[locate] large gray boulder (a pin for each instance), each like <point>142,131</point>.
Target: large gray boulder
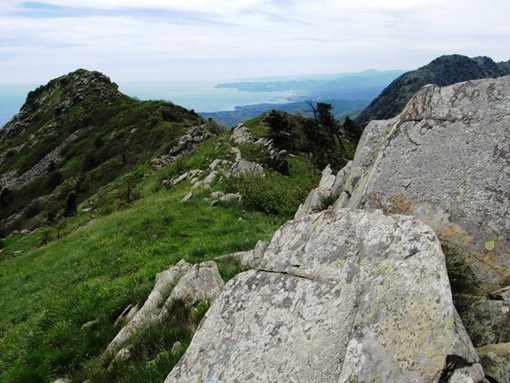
<point>446,160</point>
<point>339,296</point>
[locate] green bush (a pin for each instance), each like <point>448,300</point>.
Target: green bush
<point>269,195</point>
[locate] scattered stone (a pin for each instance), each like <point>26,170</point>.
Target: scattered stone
<point>328,187</point>
<point>151,309</point>
<point>237,154</point>
<point>189,141</point>
<point>216,195</point>
<point>182,282</point>
<point>246,167</point>
<point>194,136</point>
<point>187,197</point>
<point>89,324</point>
<point>176,348</point>
<point>179,179</point>
<point>62,380</point>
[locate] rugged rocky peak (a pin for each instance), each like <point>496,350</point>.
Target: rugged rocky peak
<point>59,95</point>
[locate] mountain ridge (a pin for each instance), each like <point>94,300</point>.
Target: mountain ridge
<point>444,70</point>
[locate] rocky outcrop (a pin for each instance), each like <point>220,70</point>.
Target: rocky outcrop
<point>276,158</point>
<point>76,85</point>
<point>340,296</point>
<point>12,181</point>
<point>189,141</point>
<point>445,160</point>
<point>351,295</point>
<point>182,282</point>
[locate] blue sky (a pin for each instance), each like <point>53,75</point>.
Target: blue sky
<point>218,40</point>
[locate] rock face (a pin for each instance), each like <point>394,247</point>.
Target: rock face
<point>340,296</point>
<point>446,160</point>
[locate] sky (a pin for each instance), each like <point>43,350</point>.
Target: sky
<point>218,40</point>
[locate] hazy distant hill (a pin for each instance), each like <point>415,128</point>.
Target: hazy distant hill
<point>444,70</point>
<point>231,118</point>
<point>347,86</point>
<point>347,92</point>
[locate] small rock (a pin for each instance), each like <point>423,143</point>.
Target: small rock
<point>187,197</point>
<point>231,197</point>
<point>89,324</point>
<point>62,380</point>
<point>123,355</point>
<point>176,347</point>
<point>217,195</point>
<point>179,179</point>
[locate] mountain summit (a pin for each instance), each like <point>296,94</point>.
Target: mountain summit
<point>76,134</point>
<point>444,70</point>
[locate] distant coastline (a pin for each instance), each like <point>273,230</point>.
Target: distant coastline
<point>200,96</point>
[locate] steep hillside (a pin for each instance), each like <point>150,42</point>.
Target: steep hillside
<point>74,135</point>
<point>444,70</point>
<point>113,191</point>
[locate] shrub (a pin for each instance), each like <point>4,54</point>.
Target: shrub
<point>271,196</point>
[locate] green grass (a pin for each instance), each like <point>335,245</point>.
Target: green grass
<point>107,259</point>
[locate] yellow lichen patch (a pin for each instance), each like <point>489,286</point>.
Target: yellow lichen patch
<point>384,268</point>
<point>399,205</point>
<point>449,323</point>
<point>339,262</point>
<point>490,245</point>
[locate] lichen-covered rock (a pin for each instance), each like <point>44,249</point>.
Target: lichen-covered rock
<point>340,296</point>
<point>496,361</point>
<point>445,160</point>
<point>487,321</point>
<point>246,167</point>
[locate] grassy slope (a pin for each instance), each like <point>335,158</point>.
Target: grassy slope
<point>105,262</point>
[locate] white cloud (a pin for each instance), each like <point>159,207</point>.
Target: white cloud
<point>241,38</point>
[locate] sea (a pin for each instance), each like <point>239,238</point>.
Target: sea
<point>199,96</point>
